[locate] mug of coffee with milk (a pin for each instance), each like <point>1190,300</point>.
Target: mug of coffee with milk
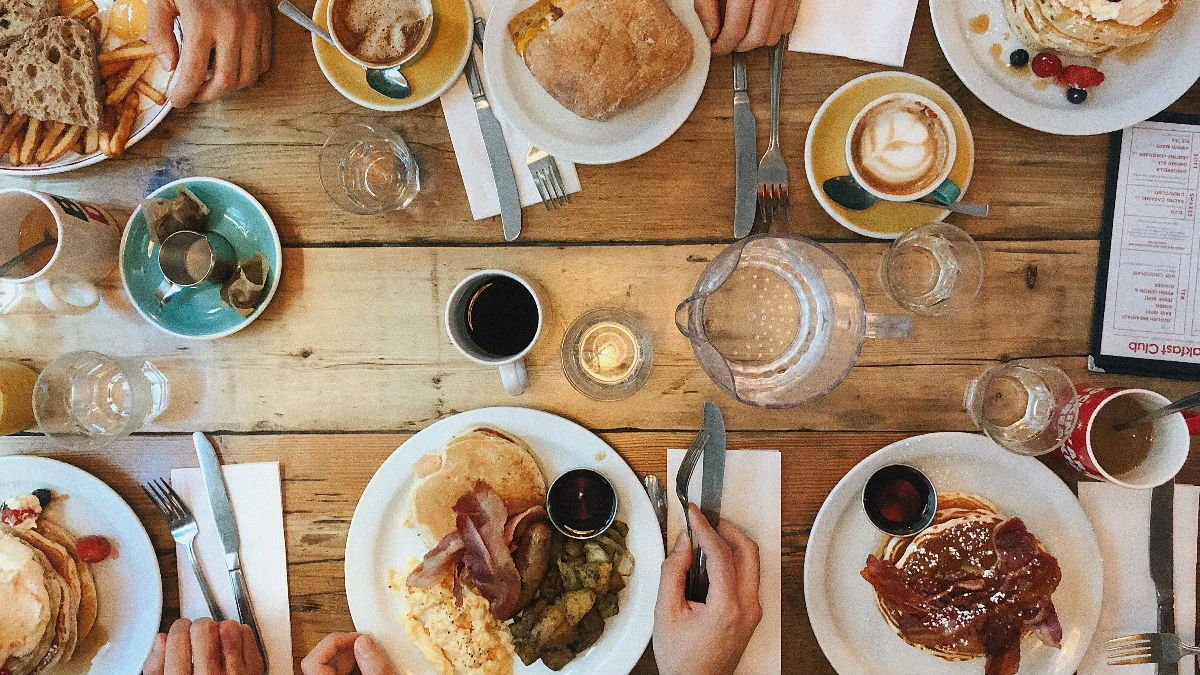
<point>901,147</point>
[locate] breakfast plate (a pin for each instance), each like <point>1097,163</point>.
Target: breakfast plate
<point>842,605</point>
<point>200,313</point>
<point>127,28</point>
<point>825,152</point>
<point>430,75</point>
<point>128,586</point>
<point>521,101</point>
<point>379,542</point>
<point>1139,83</point>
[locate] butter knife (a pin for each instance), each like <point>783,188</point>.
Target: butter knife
<point>222,509</point>
<point>1162,561</point>
<point>711,489</point>
<point>745,150</point>
<point>497,151</point>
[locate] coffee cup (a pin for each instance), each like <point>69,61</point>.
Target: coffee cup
<point>74,244</point>
<point>365,31</point>
<point>1139,458</point>
<point>901,147</point>
<point>494,318</point>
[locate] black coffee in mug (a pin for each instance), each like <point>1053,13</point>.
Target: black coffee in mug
<point>501,317</point>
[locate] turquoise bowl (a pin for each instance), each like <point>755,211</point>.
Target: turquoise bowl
<point>199,313</point>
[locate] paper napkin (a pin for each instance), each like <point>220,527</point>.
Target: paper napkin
<point>751,500</point>
<point>1121,519</point>
<point>459,109</point>
<point>257,500</point>
<point>867,30</point>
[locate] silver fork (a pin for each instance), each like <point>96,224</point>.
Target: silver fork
<point>773,198</point>
<point>1148,648</point>
<point>683,478</point>
<point>547,178</point>
<point>183,531</point>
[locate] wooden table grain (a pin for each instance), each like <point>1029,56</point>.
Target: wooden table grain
<point>350,358</point>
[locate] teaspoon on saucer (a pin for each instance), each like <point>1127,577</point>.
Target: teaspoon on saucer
<point>847,193</point>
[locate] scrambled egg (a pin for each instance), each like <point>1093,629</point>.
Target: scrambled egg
<point>465,640</point>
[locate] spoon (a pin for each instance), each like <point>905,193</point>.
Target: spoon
<point>847,193</point>
<point>1185,403</point>
<point>48,241</point>
<point>387,81</point>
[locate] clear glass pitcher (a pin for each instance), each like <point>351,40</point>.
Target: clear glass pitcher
<point>778,320</point>
<point>1029,407</point>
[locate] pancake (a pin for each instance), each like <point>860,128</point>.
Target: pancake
<point>1053,25</point>
<point>48,647</point>
<point>88,602</point>
<point>25,602</point>
<point>478,454</point>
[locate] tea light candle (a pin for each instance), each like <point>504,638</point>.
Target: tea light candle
<point>608,352</point>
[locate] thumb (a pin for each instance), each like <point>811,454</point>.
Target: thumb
<point>707,11</point>
<point>371,658</point>
<point>674,574</point>
<point>160,32</point>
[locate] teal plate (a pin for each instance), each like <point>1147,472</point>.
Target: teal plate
<point>199,313</point>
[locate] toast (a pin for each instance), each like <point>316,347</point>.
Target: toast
<point>50,73</point>
<point>16,16</point>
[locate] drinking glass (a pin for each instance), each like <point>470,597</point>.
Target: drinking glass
<point>367,169</point>
<point>932,270</point>
<point>607,355</point>
<point>88,400</point>
<point>1027,406</point>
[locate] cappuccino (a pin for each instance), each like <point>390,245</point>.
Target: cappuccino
<point>377,32</point>
<point>901,147</point>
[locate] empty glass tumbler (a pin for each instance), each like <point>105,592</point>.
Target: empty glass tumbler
<point>367,169</point>
<point>932,270</point>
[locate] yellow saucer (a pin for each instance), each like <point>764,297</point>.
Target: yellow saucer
<point>825,151</point>
<point>430,75</point>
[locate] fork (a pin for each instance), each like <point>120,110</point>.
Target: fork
<point>683,478</point>
<point>773,199</point>
<point>547,178</point>
<point>1148,648</point>
<point>183,530</point>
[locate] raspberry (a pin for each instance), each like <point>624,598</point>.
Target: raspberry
<point>93,549</point>
<point>1047,65</point>
<point>1081,77</point>
<point>14,517</point>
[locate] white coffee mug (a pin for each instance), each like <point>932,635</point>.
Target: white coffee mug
<point>512,368</point>
<point>88,238</point>
<point>941,189</point>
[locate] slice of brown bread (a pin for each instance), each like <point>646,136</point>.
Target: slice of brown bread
<point>16,16</point>
<point>50,73</point>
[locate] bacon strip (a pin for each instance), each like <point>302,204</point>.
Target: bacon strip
<point>515,521</point>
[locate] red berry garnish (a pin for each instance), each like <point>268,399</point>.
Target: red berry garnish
<point>93,549</point>
<point>1046,64</point>
<point>14,517</point>
<point>1081,77</point>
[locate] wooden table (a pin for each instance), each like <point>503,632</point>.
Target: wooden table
<point>350,358</point>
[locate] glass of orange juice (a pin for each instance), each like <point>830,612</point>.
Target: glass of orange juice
<point>16,397</point>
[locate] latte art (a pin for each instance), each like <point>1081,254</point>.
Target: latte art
<point>900,146</point>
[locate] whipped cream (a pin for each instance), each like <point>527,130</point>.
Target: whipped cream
<point>24,601</point>
<point>1126,12</point>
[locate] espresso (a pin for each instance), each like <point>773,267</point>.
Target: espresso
<point>501,317</point>
<point>378,31</point>
<point>901,146</point>
<point>1120,451</point>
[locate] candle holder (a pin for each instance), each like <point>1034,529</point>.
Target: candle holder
<point>607,354</point>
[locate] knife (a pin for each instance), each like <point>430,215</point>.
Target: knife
<point>1162,561</point>
<point>497,151</point>
<point>745,149</point>
<point>710,490</point>
<point>222,509</point>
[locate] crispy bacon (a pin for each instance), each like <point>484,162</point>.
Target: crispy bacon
<point>443,559</point>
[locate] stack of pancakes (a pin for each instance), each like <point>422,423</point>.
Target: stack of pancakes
<point>1071,27</point>
<point>47,598</point>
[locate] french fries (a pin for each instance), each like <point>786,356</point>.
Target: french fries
<point>91,142</point>
<point>84,11</point>
<point>12,131</point>
<point>53,130</point>
<point>144,88</point>
<point>120,136</point>
<point>107,70</point>
<point>136,49</point>
<point>132,76</point>
<point>29,145</point>
<point>69,140</point>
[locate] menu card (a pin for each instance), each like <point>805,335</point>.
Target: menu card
<point>1147,318</point>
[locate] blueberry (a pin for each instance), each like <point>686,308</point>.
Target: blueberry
<point>1076,96</point>
<point>1018,58</point>
<point>43,496</point>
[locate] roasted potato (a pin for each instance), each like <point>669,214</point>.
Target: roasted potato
<point>590,628</point>
<point>606,605</point>
<point>594,576</point>
<point>578,603</point>
<point>557,658</point>
<point>554,628</point>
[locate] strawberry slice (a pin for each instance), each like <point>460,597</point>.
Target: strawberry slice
<point>93,549</point>
<point>1081,77</point>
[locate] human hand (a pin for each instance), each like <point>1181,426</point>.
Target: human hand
<point>748,23</point>
<point>338,653</point>
<point>707,638</point>
<point>235,34</point>
<point>204,647</point>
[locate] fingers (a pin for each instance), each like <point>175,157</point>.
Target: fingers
<point>333,655</point>
<point>250,654</point>
<point>266,43</point>
<point>206,648</point>
<point>709,17</point>
<point>371,658</point>
<point>226,71</point>
<point>746,560</point>
<point>178,659</point>
<point>737,19</point>
<point>673,576</point>
<point>761,22</point>
<point>160,32</point>
<point>156,661</point>
<point>722,576</point>
<point>231,648</point>
<point>193,66</point>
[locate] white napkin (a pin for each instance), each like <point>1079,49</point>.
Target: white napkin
<point>867,30</point>
<point>1121,519</point>
<point>751,500</point>
<point>467,139</point>
<point>258,506</point>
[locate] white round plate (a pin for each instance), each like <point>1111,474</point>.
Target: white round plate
<point>129,587</point>
<point>523,103</point>
<point>149,117</point>
<point>377,541</point>
<point>1131,93</point>
<point>841,604</point>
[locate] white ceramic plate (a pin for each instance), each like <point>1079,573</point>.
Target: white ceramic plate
<point>149,117</point>
<point>841,604</point>
<point>523,103</point>
<point>377,541</point>
<point>1131,93</point>
<point>129,588</point>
